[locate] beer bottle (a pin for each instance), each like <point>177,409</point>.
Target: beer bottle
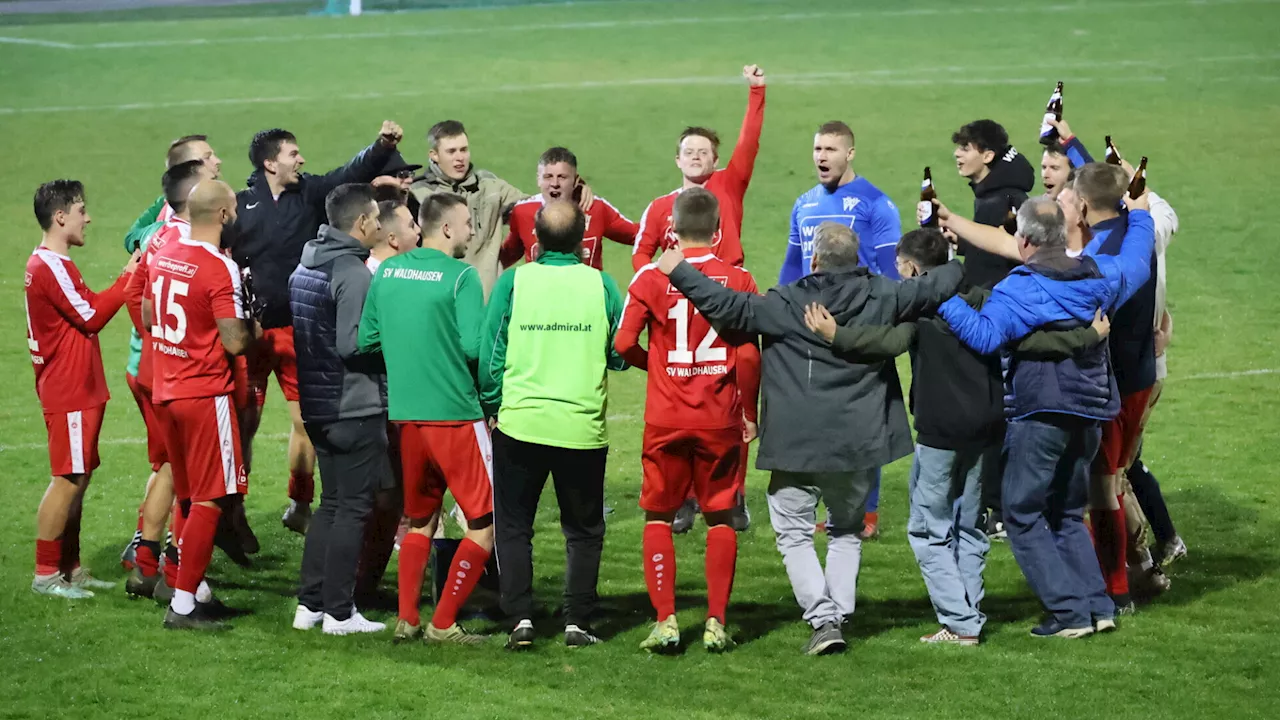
<point>1138,184</point>
<point>1113,155</point>
<point>1052,111</point>
<point>927,196</point>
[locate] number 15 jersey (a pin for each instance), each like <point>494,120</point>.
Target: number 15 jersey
<point>191,286</point>
<point>696,377</point>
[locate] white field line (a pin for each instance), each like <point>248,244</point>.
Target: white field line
<point>1061,9</point>
<point>1227,375</point>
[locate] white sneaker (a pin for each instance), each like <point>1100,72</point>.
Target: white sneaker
<point>55,586</point>
<point>80,578</point>
<point>304,619</point>
<point>352,625</point>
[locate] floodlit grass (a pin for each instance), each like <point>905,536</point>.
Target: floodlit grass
<point>1191,85</point>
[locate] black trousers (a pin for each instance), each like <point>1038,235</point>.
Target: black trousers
<point>352,455</point>
<point>520,471</point>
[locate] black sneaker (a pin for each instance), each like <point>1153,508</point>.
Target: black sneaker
<point>226,540</point>
<point>522,637</point>
<point>139,585</point>
<point>577,636</point>
<point>197,620</point>
<point>161,592</point>
<point>214,609</point>
<point>1050,627</point>
<point>685,516</point>
<point>826,640</point>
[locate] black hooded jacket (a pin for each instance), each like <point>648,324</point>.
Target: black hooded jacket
<point>1004,188</point>
<point>269,232</point>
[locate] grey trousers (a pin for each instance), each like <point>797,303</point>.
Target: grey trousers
<point>830,595</point>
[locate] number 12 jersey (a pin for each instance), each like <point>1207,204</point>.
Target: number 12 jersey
<point>191,286</point>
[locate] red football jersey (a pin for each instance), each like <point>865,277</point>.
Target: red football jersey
<point>63,320</point>
<point>174,229</point>
<point>696,377</point>
<point>192,286</point>
<point>603,221</point>
<point>729,185</point>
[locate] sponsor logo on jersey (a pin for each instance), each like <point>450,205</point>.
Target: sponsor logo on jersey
<point>26,281</point>
<point>401,273</point>
<point>177,267</point>
<point>849,203</point>
<point>723,280</point>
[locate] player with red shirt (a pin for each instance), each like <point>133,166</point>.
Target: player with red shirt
<point>696,156</point>
<point>700,411</point>
<point>557,180</point>
<point>195,309</point>
<point>63,320</point>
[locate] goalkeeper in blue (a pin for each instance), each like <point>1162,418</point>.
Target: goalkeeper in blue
<point>843,196</point>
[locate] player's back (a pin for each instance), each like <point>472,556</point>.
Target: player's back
<point>429,308</point>
<point>693,379</point>
<point>173,230</point>
<point>191,286</point>
<point>67,360</point>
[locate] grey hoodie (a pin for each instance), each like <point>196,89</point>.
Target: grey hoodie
<point>326,294</point>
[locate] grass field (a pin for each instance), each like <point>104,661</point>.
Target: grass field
<point>1193,85</point>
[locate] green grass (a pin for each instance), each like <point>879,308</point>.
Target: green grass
<point>1192,85</point>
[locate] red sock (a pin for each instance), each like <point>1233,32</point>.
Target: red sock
<point>464,572</point>
<point>48,556</point>
<point>196,546</point>
<point>415,549</point>
<point>722,560</point>
<point>147,559</point>
<point>660,568</point>
<point>1109,545</point>
<point>70,544</point>
<point>302,487</point>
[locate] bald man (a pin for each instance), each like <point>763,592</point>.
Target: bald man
<point>198,319</point>
<point>549,334</point>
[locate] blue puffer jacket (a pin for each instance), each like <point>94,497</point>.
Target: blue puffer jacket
<point>1061,292</point>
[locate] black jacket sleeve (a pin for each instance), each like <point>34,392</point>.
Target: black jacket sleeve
<point>873,343</point>
<point>925,293</point>
<point>362,168</point>
<point>726,309</point>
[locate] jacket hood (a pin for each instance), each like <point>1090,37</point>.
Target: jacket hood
<point>330,245</point>
<point>836,290</point>
<point>1010,170</point>
<point>255,177</point>
<point>435,176</point>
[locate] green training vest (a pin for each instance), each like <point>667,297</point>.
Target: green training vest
<point>555,384</point>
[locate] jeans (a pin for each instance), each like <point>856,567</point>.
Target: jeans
<point>946,532</point>
<point>352,455</point>
<point>520,472</point>
<point>830,595</point>
<point>1046,485</point>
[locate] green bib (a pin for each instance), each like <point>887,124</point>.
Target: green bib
<point>555,384</point>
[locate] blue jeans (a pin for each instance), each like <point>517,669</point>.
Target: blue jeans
<point>945,532</point>
<point>1046,481</point>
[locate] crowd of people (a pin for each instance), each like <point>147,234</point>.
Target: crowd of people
<point>440,330</point>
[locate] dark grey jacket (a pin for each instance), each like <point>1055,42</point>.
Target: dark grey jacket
<point>820,411</point>
<point>326,296</point>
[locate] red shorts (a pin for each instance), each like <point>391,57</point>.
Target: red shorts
<point>457,456</point>
<point>204,435</point>
<point>273,353</point>
<point>73,440</point>
<point>156,454</point>
<point>707,462</point>
<point>1121,434</point>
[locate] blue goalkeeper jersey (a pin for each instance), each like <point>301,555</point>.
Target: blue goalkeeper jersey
<point>857,204</point>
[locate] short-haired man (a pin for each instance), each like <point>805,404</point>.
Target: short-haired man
<point>341,397</point>
<point>957,403</point>
<point>700,411</point>
<point>557,178</point>
<point>843,196</point>
<point>279,213</point>
<point>548,342</point>
<point>398,233</point>
<point>697,153</point>
<point>1054,407</point>
<point>64,318</point>
<point>424,314</point>
<point>810,391</point>
<point>178,181</point>
<point>195,308</point>
<point>1001,178</point>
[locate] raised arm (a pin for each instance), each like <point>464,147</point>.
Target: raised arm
<point>742,162</point>
<point>363,168</point>
<point>618,227</point>
<point>1134,260</point>
<point>1001,320</point>
<point>984,237</point>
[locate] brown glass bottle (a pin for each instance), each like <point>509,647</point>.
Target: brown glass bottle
<point>1113,155</point>
<point>1138,184</point>
<point>927,196</point>
<point>1052,111</point>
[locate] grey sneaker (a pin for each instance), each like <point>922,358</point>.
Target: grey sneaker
<point>685,516</point>
<point>826,640</point>
<point>297,518</point>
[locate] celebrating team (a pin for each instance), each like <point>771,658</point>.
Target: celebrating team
<point>364,290</point>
